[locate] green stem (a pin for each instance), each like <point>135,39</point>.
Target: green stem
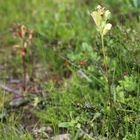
<point>105,58</point>
<point>106,76</point>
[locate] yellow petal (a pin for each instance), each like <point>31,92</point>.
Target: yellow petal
<point>97,18</point>
<point>107,14</point>
<point>107,27</point>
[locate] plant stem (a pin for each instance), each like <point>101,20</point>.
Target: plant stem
<point>105,58</point>
<point>24,69</point>
<point>107,81</point>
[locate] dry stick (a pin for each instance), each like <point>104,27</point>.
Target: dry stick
<point>24,68</point>
<point>4,87</point>
<point>32,64</point>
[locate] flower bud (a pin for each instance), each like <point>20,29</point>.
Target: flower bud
<point>107,14</point>
<point>107,27</point>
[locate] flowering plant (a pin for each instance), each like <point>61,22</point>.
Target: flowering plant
<point>25,36</point>
<point>100,17</point>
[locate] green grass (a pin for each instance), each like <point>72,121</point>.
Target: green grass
<point>65,38</point>
<point>8,132</point>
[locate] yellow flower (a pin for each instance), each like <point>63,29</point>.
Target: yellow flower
<point>100,17</point>
<point>107,14</point>
<point>96,17</point>
<point>107,27</point>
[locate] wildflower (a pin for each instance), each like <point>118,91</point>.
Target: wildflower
<point>107,28</point>
<point>100,17</point>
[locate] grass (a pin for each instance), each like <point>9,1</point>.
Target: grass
<point>11,132</point>
<point>68,92</point>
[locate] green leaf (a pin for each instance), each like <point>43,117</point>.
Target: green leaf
<point>66,124</point>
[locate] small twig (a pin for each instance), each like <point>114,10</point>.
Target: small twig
<point>24,69</point>
<point>7,89</point>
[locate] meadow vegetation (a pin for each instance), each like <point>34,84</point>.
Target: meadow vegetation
<point>70,67</point>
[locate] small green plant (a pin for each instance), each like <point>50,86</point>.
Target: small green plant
<point>128,83</point>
